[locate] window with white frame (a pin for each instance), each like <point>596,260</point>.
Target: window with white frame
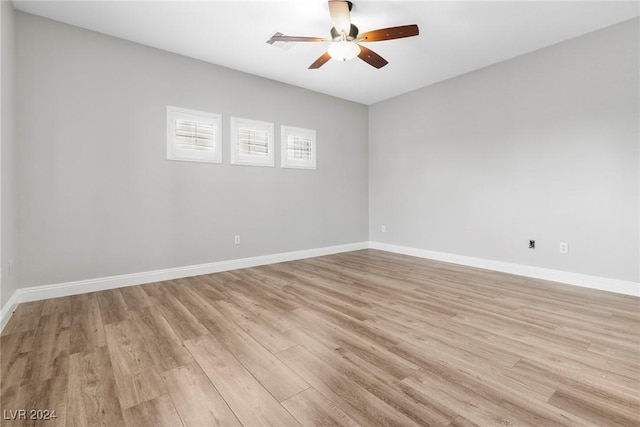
<point>194,136</point>
<point>298,148</point>
<point>251,142</point>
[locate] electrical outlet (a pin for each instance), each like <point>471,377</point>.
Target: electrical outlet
<point>564,247</point>
<point>236,239</point>
<point>532,244</point>
<point>383,228</point>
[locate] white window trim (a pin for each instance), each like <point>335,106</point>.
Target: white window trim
<point>175,153</point>
<point>285,161</point>
<point>238,158</point>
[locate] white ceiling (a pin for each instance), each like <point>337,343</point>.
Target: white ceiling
<point>455,37</point>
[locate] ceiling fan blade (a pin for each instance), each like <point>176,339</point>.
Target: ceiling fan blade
<point>295,39</point>
<point>372,58</point>
<point>320,61</point>
<point>339,11</point>
<point>389,33</point>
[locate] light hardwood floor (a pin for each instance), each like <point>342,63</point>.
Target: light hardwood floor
<point>366,337</point>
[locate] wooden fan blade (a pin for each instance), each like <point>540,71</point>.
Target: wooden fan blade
<point>372,58</point>
<point>339,11</point>
<point>320,61</point>
<point>295,39</point>
<point>390,33</point>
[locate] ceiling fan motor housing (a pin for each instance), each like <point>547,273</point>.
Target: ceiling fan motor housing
<point>353,34</point>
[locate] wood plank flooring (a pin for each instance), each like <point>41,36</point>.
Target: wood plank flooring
<point>363,338</point>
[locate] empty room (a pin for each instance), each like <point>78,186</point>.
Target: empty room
<point>320,213</point>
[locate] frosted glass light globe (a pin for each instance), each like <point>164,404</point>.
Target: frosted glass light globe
<point>344,50</point>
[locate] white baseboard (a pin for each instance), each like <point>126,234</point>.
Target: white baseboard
<point>36,293</point>
<point>7,310</point>
<point>583,280</point>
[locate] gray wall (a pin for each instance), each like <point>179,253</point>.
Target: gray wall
<point>98,197</point>
<point>8,282</point>
<point>544,146</point>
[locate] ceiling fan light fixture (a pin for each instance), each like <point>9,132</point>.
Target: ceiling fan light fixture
<point>344,50</point>
<point>347,38</point>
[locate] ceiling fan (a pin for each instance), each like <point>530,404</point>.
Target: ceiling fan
<point>345,38</point>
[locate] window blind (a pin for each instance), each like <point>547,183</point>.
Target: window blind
<point>253,142</point>
<point>193,135</point>
<point>298,147</point>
